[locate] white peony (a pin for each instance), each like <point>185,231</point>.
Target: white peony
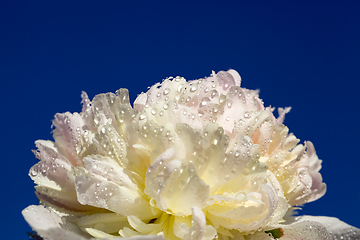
<point>199,160</point>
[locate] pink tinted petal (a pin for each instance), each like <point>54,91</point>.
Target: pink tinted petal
<point>67,134</point>
<point>52,170</point>
<point>224,81</point>
<point>86,103</point>
<point>140,102</point>
<point>311,186</point>
<point>282,113</point>
<point>61,200</point>
<point>236,76</point>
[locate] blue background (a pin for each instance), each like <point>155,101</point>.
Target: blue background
<point>303,54</point>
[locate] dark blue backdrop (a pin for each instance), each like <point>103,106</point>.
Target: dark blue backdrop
<point>303,54</point>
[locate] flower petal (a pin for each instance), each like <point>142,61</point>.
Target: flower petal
<point>313,228</point>
<point>49,225</point>
<point>67,135</point>
<point>175,186</point>
<point>196,229</point>
<point>116,193</point>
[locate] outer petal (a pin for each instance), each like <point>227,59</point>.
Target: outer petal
<point>67,134</point>
<point>49,225</point>
<point>322,228</point>
<point>310,187</point>
<point>52,169</point>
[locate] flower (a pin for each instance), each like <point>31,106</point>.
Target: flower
<point>198,160</point>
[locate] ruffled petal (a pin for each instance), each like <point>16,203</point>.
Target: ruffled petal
<point>67,135</point>
<point>49,225</point>
<point>310,186</point>
<point>198,230</point>
<point>116,192</point>
<point>175,186</point>
<point>321,228</point>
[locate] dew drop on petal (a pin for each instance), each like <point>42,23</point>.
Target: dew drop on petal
<point>240,196</point>
<point>214,93</point>
<point>33,172</point>
<point>229,103</point>
<point>142,116</point>
<point>166,91</point>
<point>204,102</point>
<point>193,87</point>
<point>222,98</point>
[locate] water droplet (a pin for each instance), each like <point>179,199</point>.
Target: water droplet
<point>142,116</point>
<point>247,114</point>
<point>214,93</point>
<point>180,88</point>
<point>153,111</point>
<point>229,103</point>
<point>222,98</point>
<point>216,108</point>
<point>193,87</point>
<point>33,172</point>
<point>166,91</point>
<point>204,102</point>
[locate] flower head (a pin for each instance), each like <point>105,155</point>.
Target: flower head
<point>198,159</point>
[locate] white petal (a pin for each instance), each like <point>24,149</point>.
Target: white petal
<point>140,102</point>
<point>175,186</point>
<point>198,229</point>
<point>313,228</point>
<point>106,222</point>
<point>113,191</point>
<point>282,113</point>
<point>49,225</point>
<point>142,227</point>
<point>260,236</point>
<point>147,237</point>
